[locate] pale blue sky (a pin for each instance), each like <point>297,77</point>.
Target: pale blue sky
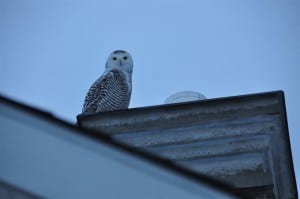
<point>52,51</point>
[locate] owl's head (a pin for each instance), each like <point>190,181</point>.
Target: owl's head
<point>121,60</point>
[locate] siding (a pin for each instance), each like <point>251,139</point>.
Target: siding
<point>241,140</point>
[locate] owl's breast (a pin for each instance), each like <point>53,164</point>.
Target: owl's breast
<point>118,92</point>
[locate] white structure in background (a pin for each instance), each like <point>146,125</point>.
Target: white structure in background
<point>184,96</point>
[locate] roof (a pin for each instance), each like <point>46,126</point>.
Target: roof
<point>240,140</point>
<point>45,156</point>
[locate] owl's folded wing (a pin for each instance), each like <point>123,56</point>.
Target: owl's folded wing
<point>98,91</point>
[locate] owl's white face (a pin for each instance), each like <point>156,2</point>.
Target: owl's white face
<point>120,60</point>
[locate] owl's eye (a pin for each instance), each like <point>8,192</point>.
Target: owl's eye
<point>114,58</point>
<point>125,57</point>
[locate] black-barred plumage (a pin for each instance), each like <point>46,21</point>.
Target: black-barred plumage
<point>112,90</point>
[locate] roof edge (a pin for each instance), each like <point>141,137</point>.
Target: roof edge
<point>146,156</point>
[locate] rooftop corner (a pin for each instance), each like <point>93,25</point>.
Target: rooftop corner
<point>242,140</point>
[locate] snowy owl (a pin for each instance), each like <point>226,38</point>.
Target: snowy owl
<point>112,90</point>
